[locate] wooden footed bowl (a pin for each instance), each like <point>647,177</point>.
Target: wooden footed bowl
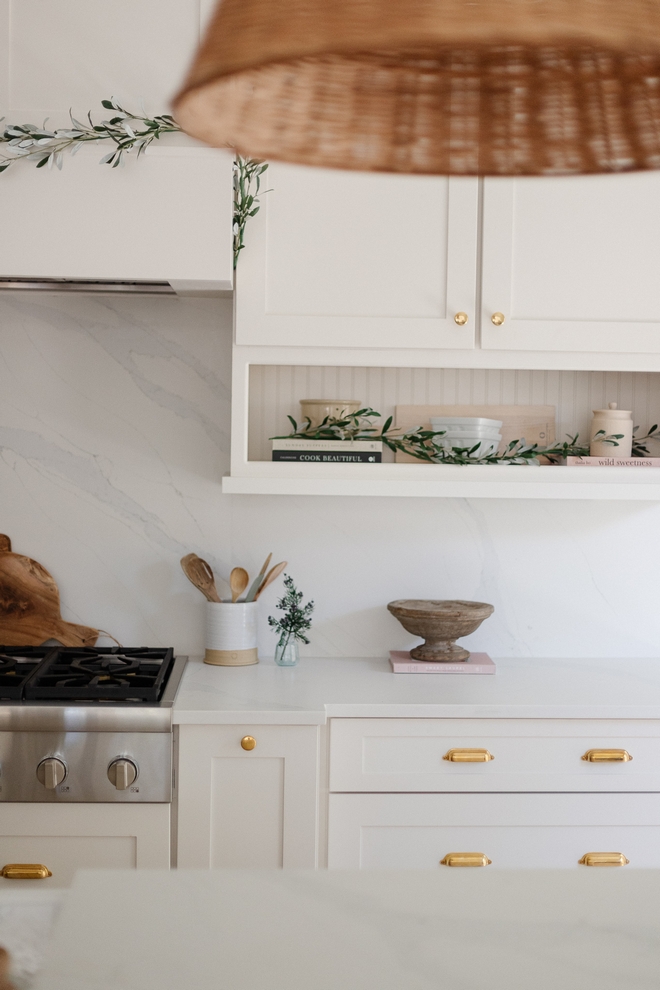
<point>440,624</point>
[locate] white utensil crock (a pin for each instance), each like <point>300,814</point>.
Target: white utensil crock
<point>231,634</point>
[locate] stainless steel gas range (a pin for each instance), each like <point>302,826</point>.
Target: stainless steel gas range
<point>87,725</point>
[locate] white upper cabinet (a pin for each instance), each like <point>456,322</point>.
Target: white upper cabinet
<point>359,260</point>
<point>572,263</point>
<point>166,217</point>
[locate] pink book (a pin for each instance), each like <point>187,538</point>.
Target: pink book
<point>476,663</point>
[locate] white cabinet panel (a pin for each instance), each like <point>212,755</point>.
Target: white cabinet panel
<point>359,260</point>
<point>572,263</point>
<point>74,53</point>
<point>536,755</point>
<point>166,217</point>
<point>415,831</point>
<point>66,838</point>
<point>239,808</point>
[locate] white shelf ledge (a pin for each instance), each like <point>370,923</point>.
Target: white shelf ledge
<point>439,481</point>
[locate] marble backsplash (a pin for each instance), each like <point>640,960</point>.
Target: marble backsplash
<point>114,434</point>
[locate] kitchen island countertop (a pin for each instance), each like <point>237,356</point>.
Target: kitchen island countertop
<point>357,930</point>
<point>319,689</point>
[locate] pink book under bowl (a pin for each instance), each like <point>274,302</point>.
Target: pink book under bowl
<point>476,663</point>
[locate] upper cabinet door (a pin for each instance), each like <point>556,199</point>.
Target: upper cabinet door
<point>344,259</point>
<point>572,263</point>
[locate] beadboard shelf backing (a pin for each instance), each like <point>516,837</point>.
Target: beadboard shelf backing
<point>275,391</point>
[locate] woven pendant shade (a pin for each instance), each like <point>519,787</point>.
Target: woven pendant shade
<point>453,87</point>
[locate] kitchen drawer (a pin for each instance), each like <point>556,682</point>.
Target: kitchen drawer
<point>416,831</point>
<point>374,754</point>
<point>66,838</point>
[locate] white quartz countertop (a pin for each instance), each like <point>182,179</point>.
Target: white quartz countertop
<point>318,689</point>
<point>382,930</point>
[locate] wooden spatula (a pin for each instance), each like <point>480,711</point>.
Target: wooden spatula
<point>273,573</point>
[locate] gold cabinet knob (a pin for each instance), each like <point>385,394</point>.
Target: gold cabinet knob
<point>497,319</point>
<point>603,859</point>
<point>468,756</point>
<point>248,742</point>
<point>607,756</point>
<point>25,871</point>
<point>465,859</point>
<point>461,319</point>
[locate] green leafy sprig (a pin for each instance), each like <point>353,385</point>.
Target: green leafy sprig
<point>639,448</point>
<point>296,619</point>
<point>425,445</point>
<point>247,185</point>
<point>128,132</point>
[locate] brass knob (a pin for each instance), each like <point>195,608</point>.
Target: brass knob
<point>607,756</point>
<point>461,319</point>
<point>603,859</point>
<point>497,319</point>
<point>248,742</point>
<point>465,859</point>
<point>468,756</point>
<point>25,871</point>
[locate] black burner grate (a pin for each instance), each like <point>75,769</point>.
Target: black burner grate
<point>112,674</point>
<point>17,663</point>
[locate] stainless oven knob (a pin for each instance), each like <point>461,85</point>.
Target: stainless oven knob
<point>122,773</point>
<point>51,773</point>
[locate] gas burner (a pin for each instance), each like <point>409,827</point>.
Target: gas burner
<point>110,674</point>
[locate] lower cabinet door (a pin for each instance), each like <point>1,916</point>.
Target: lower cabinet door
<point>418,831</point>
<point>66,838</point>
<point>247,796</point>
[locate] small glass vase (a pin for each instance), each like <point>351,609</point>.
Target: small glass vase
<point>286,652</point>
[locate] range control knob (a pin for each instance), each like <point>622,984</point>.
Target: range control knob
<point>51,773</point>
<point>122,773</point>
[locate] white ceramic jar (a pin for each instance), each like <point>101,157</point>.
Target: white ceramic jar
<point>231,634</point>
<point>612,421</point>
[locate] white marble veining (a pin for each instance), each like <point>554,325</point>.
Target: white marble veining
<point>114,435</point>
<point>319,689</point>
<point>291,930</point>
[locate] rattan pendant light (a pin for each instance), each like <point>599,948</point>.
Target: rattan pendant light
<point>453,87</point>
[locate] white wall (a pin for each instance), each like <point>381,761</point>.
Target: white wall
<point>114,433</point>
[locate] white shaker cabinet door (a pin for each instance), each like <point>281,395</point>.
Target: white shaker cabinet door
<point>514,831</point>
<point>66,838</point>
<point>572,263</point>
<point>242,807</point>
<point>352,259</point>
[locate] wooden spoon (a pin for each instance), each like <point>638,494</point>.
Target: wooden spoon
<point>238,582</point>
<point>273,573</point>
<point>200,574</point>
<point>256,584</point>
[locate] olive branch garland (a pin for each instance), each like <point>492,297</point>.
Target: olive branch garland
<point>422,444</point>
<point>129,132</point>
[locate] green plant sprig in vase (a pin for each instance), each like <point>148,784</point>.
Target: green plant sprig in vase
<point>293,625</point>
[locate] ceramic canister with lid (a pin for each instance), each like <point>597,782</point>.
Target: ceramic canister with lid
<point>612,421</point>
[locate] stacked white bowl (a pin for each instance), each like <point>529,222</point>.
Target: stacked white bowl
<point>467,432</point>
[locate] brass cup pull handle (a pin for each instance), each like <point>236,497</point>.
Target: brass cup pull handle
<point>497,319</point>
<point>607,756</point>
<point>465,859</point>
<point>248,742</point>
<point>25,871</point>
<point>468,756</point>
<point>461,319</point>
<point>603,859</point>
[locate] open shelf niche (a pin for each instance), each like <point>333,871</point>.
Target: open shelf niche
<point>272,391</point>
